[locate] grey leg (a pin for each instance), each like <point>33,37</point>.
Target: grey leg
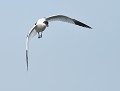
<point>39,35</point>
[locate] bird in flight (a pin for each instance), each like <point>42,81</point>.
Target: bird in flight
<point>42,23</point>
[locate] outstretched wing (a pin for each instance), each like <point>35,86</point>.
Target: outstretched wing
<point>31,33</point>
<point>66,19</point>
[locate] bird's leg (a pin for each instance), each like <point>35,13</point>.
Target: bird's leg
<point>39,35</point>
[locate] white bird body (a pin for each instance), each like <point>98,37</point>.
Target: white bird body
<point>40,27</point>
<point>41,24</point>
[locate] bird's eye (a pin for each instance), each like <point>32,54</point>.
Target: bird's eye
<point>35,23</point>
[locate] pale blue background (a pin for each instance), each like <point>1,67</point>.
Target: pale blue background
<point>68,57</point>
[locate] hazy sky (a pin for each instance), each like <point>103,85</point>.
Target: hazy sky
<point>68,57</point>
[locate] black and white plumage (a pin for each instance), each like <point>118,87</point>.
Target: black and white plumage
<point>41,24</point>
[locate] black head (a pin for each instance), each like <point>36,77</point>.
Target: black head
<point>46,23</point>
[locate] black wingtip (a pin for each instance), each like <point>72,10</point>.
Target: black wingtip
<point>27,59</point>
<point>81,24</point>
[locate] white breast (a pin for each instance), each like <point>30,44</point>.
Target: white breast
<point>40,26</point>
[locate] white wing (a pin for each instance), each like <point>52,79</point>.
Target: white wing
<point>31,33</point>
<point>66,19</point>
